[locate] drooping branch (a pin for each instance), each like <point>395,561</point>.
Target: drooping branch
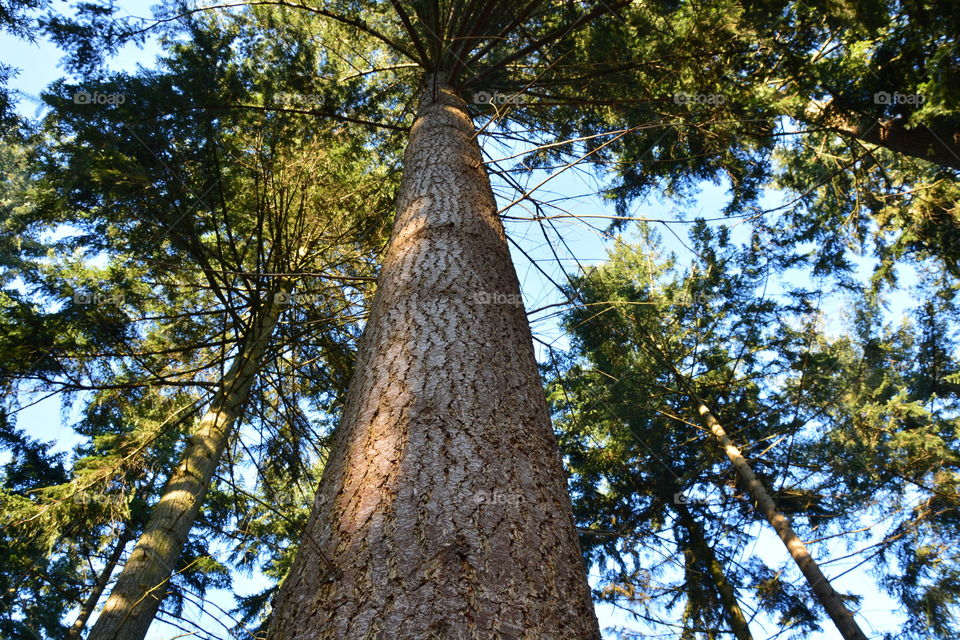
<point>101,584</point>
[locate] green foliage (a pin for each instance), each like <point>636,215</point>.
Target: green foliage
<point>849,429</point>
<point>33,581</point>
<point>263,147</point>
<point>630,441</point>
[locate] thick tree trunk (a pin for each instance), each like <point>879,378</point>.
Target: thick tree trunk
<point>939,147</point>
<point>101,584</point>
<point>142,584</point>
<point>704,552</point>
<point>828,597</point>
<point>443,507</point>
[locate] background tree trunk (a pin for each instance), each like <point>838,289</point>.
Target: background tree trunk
<point>827,596</point>
<point>728,596</point>
<point>142,584</point>
<point>443,506</point>
<point>939,147</point>
<point>101,584</point>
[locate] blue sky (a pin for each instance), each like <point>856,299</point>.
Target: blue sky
<point>38,64</point>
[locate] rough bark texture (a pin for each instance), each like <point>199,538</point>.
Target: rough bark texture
<point>828,597</point>
<point>443,507</point>
<point>704,552</point>
<point>142,584</point>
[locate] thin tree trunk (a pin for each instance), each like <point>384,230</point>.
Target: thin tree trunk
<point>142,584</point>
<point>728,597</point>
<point>101,584</point>
<point>689,609</point>
<point>830,599</point>
<point>443,506</point>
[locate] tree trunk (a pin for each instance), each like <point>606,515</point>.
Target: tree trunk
<point>826,594</point>
<point>101,584</point>
<point>141,586</point>
<point>828,597</point>
<point>939,147</point>
<point>443,510</point>
<point>702,550</point>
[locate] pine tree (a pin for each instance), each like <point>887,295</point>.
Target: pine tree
<point>604,83</point>
<point>279,210</point>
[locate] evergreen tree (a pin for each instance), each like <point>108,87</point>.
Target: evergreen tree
<point>275,211</point>
<point>445,442</point>
<point>642,352</point>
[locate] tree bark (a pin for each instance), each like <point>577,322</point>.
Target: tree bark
<point>101,584</point>
<point>827,596</point>
<point>443,507</point>
<point>939,147</point>
<point>141,586</point>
